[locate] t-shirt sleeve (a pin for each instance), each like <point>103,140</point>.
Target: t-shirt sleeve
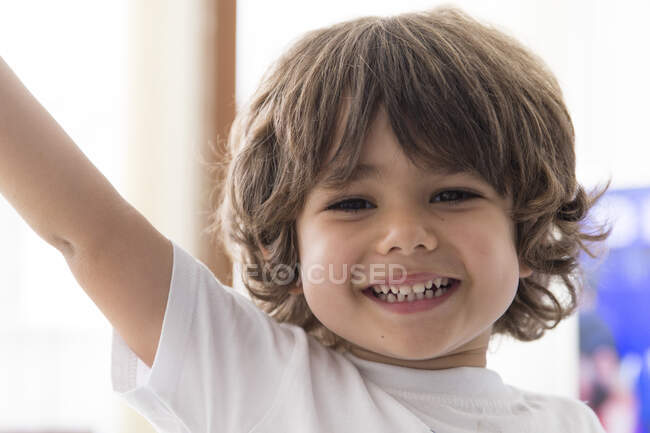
<point>591,419</point>
<point>219,363</point>
<point>574,415</point>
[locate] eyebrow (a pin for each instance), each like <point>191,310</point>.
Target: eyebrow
<point>368,171</point>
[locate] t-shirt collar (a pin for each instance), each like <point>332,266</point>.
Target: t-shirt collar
<point>470,382</point>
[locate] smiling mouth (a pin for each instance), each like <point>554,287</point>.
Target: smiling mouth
<point>410,293</point>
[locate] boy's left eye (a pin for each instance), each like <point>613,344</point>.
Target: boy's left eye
<point>454,196</point>
<point>450,197</point>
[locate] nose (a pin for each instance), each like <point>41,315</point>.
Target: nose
<point>407,232</point>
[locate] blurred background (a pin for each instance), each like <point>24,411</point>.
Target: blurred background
<point>146,87</point>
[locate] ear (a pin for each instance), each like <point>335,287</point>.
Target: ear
<point>297,289</point>
<point>265,253</point>
<point>524,270</point>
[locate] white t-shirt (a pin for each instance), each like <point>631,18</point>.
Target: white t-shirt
<point>223,365</point>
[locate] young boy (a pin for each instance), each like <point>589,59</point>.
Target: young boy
<point>417,173</point>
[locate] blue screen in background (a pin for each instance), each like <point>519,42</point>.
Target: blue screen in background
<point>614,316</point>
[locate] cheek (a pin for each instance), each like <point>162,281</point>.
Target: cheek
<point>327,292</point>
<point>327,246</point>
<point>326,269</point>
<point>490,252</point>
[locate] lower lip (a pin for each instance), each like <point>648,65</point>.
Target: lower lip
<point>407,307</point>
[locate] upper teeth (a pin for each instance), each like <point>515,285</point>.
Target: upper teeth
<point>406,289</point>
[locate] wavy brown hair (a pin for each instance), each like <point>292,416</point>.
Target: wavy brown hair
<point>460,95</point>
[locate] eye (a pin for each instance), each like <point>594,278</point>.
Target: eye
<point>453,196</point>
<point>350,205</point>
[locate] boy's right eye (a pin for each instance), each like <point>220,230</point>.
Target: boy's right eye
<point>350,205</point>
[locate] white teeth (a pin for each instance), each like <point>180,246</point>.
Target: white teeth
<point>418,288</point>
<point>404,290</point>
<point>416,292</point>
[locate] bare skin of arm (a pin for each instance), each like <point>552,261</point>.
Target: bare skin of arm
<point>120,260</point>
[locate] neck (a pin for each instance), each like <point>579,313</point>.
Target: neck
<point>469,355</point>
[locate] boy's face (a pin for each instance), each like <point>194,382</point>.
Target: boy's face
<point>407,221</point>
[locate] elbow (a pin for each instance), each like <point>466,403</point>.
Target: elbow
<point>63,246</point>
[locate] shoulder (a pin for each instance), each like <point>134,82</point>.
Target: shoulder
<point>570,414</point>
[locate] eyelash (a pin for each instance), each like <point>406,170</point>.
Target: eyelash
<point>336,206</point>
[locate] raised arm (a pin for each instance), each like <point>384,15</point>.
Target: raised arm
<point>122,262</point>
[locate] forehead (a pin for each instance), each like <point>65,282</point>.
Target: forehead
<point>335,179</point>
<point>378,153</point>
